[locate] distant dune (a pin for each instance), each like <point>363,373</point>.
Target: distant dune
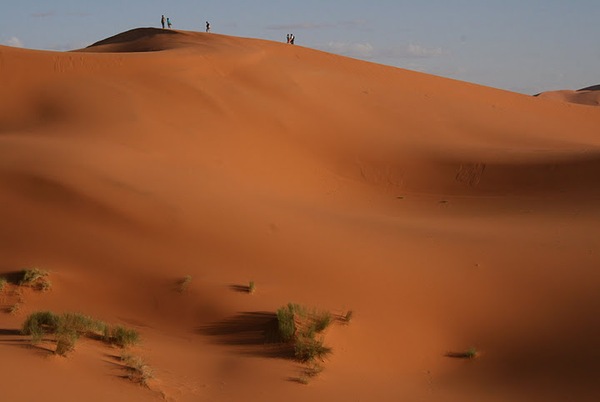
<point>586,96</point>
<point>157,173</point>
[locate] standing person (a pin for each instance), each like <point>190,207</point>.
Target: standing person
<point>292,38</point>
<point>162,21</point>
<point>288,38</point>
<point>207,26</point>
<point>169,22</point>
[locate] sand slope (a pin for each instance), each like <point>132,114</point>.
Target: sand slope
<point>445,215</point>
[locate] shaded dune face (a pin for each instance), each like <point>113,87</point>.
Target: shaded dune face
<point>447,216</point>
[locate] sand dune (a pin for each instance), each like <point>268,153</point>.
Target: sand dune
<point>586,96</point>
<point>445,215</point>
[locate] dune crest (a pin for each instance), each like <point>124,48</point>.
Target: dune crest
<point>160,175</point>
<point>146,40</point>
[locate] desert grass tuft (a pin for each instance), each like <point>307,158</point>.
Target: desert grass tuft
<point>15,308</point>
<point>138,371</point>
<point>321,321</point>
<point>32,275</point>
<point>313,370</point>
<point>124,337</point>
<point>36,278</point>
<point>470,353</point>
<point>301,327</point>
<point>346,318</point>
<point>42,285</point>
<point>65,341</point>
<point>184,284</point>
<point>40,323</point>
<point>308,349</point>
<point>67,328</point>
<point>81,323</point>
<point>285,319</point>
<point>251,287</point>
<point>2,283</point>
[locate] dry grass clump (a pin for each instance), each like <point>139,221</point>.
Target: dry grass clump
<point>15,308</point>
<point>184,284</point>
<point>2,283</point>
<point>311,371</point>
<point>36,279</point>
<point>303,327</point>
<point>346,318</point>
<point>66,329</point>
<point>121,336</point>
<point>138,371</point>
<point>470,353</point>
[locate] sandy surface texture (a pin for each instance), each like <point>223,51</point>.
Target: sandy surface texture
<point>450,219</point>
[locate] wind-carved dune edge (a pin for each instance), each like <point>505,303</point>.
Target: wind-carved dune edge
<point>187,185</point>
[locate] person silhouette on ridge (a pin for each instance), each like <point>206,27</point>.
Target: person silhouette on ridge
<point>207,26</point>
<point>162,21</point>
<point>169,22</point>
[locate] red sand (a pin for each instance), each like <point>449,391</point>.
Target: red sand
<point>446,215</point>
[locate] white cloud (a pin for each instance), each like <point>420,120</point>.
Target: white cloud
<point>318,25</point>
<point>365,50</point>
<point>14,42</point>
<point>79,14</point>
<point>422,51</point>
<point>63,47</point>
<point>43,14</point>
<point>358,50</point>
<point>301,25</point>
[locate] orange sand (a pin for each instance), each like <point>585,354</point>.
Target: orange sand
<point>446,215</point>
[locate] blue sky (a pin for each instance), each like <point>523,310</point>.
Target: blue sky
<point>524,46</point>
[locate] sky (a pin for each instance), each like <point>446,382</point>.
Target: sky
<point>525,46</point>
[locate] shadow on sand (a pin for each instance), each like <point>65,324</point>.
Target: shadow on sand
<point>240,288</point>
<point>253,333</point>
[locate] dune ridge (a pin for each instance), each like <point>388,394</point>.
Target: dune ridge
<point>445,215</point>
